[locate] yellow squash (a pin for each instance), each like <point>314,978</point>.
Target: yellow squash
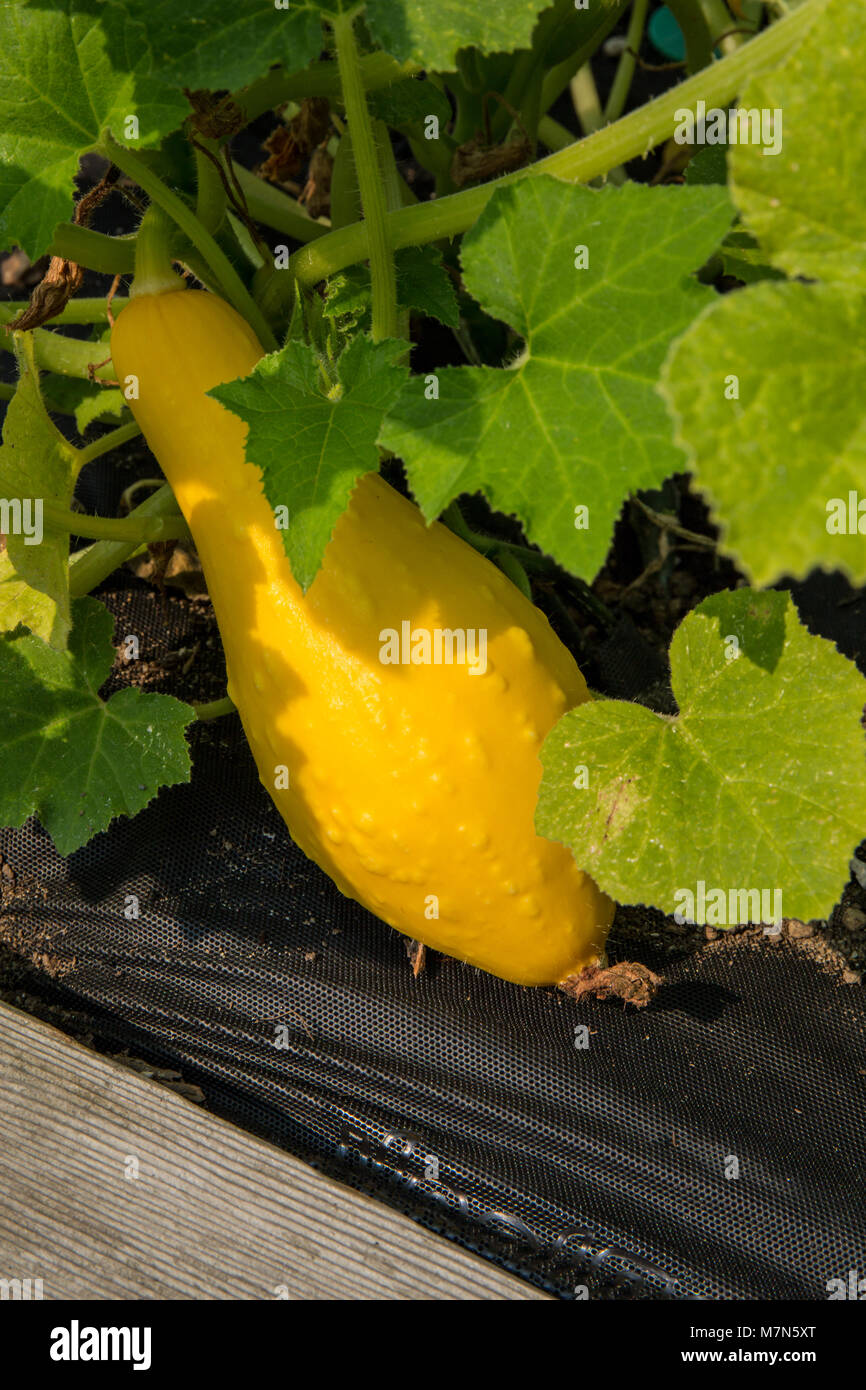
<point>412,785</point>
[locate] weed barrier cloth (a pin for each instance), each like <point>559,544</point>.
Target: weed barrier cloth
<point>468,1103</point>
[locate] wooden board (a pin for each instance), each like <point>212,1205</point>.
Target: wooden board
<point>115,1187</point>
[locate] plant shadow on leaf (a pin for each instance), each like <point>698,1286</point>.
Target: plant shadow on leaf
<point>757,620</point>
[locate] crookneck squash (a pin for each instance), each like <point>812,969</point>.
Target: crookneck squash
<point>413,786</point>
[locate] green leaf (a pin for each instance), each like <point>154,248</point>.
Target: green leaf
<point>313,447</point>
<point>37,465</point>
<point>777,462</point>
<point>742,256</point>
<point>68,71</point>
<point>786,439</point>
<point>85,400</point>
<point>576,420</point>
<point>423,286</point>
<point>740,253</point>
<point>432,34</point>
<point>220,43</point>
<point>20,605</point>
<point>805,204</point>
<point>95,405</point>
<point>757,784</point>
<point>708,165</point>
<point>349,296</point>
<point>69,757</point>
<point>409,103</point>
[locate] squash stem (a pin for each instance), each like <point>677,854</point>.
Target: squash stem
<point>88,568</point>
<point>319,80</point>
<point>139,530</point>
<point>106,442</point>
<point>699,41</point>
<point>628,61</point>
<point>54,352</point>
<point>392,186</point>
<point>84,310</point>
<point>154,273</point>
<point>229,282</point>
<point>213,709</point>
<point>210,206</point>
<point>557,78</point>
<point>276,209</point>
<point>383,274</point>
<point>111,255</point>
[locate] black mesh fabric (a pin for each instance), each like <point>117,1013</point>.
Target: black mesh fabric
<point>460,1098</point>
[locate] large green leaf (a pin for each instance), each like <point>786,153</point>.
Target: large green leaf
<point>69,757</point>
<point>37,465</point>
<point>779,458</point>
<point>313,444</point>
<point>21,604</point>
<point>432,34</point>
<point>805,204</point>
<point>767,387</point>
<point>757,784</point>
<point>575,421</point>
<point>223,43</point>
<point>68,71</point>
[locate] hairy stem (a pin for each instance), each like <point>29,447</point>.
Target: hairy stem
<point>105,443</point>
<point>392,187</point>
<point>319,80</point>
<point>138,531</point>
<point>210,205</point>
<point>582,161</point>
<point>111,255</point>
<point>621,85</point>
<point>88,568</point>
<point>276,209</point>
<point>213,709</point>
<point>79,311</point>
<point>383,275</point>
<point>66,356</point>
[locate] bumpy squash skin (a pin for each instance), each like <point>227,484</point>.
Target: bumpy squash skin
<point>404,781</point>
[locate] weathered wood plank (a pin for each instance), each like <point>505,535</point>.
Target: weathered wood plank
<point>213,1213</point>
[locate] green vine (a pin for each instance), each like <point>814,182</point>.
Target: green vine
<point>383,273</point>
<point>84,310</point>
<point>67,356</point>
<point>105,443</point>
<point>89,567</point>
<point>138,531</point>
<point>319,80</point>
<point>111,255</point>
<point>621,86</point>
<point>581,161</point>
